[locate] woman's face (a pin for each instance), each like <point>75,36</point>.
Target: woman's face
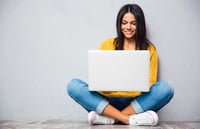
<point>128,25</point>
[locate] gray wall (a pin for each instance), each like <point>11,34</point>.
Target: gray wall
<point>44,43</point>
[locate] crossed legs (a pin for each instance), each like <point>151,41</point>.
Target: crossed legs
<point>159,95</point>
<point>122,116</point>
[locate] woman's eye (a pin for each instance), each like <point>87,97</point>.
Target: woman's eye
<point>133,23</point>
<point>123,23</point>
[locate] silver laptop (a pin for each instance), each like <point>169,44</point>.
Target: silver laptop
<point>121,70</point>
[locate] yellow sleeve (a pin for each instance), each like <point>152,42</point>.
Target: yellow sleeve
<point>107,44</point>
<point>153,64</point>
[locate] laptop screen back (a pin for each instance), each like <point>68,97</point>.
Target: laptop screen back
<point>118,70</point>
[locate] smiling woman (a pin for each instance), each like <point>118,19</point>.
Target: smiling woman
<point>131,29</point>
<point>133,108</point>
<point>128,25</point>
<point>128,28</point>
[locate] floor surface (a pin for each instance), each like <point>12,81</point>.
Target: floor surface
<point>63,124</point>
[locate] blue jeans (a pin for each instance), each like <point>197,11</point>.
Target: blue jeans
<point>158,96</point>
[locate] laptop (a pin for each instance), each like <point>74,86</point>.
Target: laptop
<point>118,70</point>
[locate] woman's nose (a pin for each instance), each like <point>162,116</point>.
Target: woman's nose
<point>128,26</point>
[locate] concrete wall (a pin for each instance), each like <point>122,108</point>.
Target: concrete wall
<point>44,43</point>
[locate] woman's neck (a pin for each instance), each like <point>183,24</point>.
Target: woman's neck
<point>129,44</point>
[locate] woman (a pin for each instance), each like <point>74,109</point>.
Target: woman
<point>131,108</point>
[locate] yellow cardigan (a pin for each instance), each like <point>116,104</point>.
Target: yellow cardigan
<point>108,45</point>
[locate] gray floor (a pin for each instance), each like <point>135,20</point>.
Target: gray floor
<point>63,124</point>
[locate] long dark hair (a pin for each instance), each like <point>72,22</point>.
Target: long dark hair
<point>140,36</point>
